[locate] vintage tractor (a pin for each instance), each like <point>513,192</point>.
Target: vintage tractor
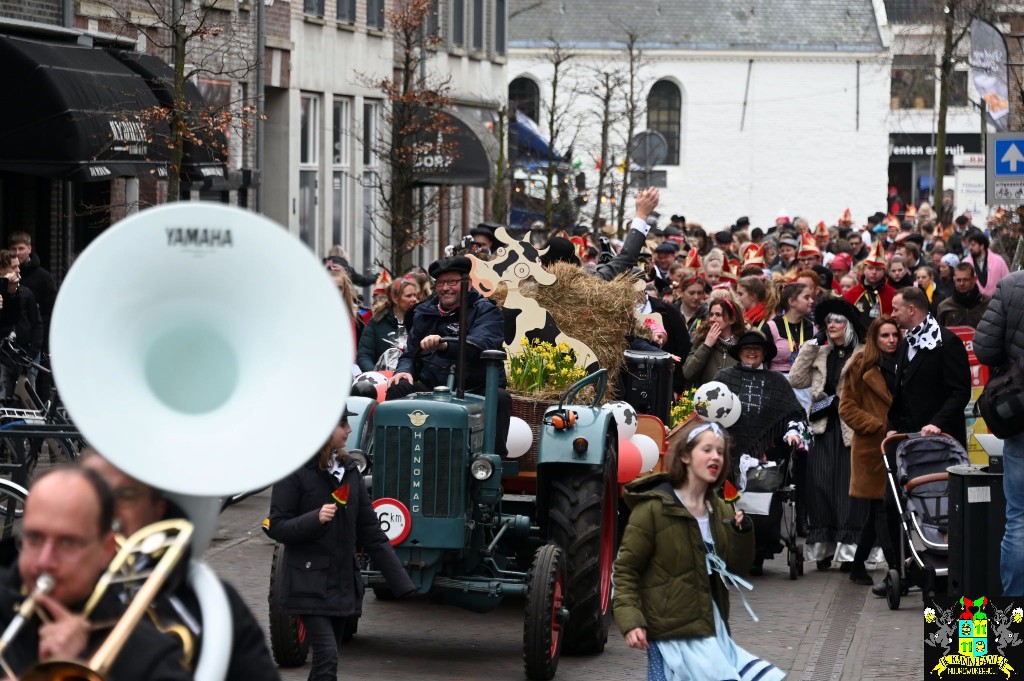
<point>438,491</point>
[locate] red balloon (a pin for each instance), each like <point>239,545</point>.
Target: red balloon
<point>630,461</point>
<point>386,374</point>
<point>382,391</point>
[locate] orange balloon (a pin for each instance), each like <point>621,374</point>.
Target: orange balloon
<point>382,391</point>
<point>630,461</point>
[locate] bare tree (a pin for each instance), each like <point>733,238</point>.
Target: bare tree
<point>201,41</point>
<point>413,137</point>
<point>607,82</point>
<point>634,106</point>
<point>562,125</point>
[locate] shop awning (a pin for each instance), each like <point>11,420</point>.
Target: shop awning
<point>205,152</point>
<point>70,111</point>
<point>452,149</point>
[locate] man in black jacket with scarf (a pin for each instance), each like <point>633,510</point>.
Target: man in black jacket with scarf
<point>438,317</point>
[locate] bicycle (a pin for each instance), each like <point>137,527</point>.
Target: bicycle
<point>37,434</point>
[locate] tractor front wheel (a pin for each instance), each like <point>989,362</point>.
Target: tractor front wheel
<point>288,638</point>
<point>583,520</point>
<point>545,614</point>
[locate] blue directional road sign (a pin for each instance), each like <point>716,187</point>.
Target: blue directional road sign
<point>1009,157</point>
<point>1004,169</point>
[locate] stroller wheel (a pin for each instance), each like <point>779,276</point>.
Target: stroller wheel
<point>794,564</point>
<point>893,590</point>
<point>800,560</point>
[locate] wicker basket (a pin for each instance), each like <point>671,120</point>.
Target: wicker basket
<point>532,411</point>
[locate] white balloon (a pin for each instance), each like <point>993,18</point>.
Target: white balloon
<point>714,401</point>
<point>625,417</point>
<point>648,451</point>
<point>371,377</point>
<point>520,437</point>
<point>730,419</point>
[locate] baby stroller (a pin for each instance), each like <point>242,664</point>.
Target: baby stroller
<point>916,468</point>
<point>770,498</point>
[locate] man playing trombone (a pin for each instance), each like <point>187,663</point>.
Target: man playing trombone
<point>66,544</point>
<point>137,505</point>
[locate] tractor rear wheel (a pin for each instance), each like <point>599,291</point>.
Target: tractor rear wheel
<point>288,639</point>
<point>583,520</point>
<point>544,622</point>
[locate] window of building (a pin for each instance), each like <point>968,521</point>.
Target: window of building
<point>313,8</point>
<point>478,25</point>
<point>309,156</point>
<point>347,11</point>
<point>309,136</point>
<point>500,27</point>
<point>913,82</point>
<point>375,14</point>
<point>342,161</point>
<point>371,122</point>
<point>664,115</point>
<point>434,20</point>
<point>958,89</point>
<point>458,32</point>
<point>524,96</point>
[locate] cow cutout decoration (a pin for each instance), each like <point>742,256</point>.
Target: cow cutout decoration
<point>512,264</point>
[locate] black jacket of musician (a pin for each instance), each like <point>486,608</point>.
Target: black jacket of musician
<point>147,653</point>
<point>321,573</point>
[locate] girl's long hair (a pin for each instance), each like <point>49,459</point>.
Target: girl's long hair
<point>868,357</point>
<point>765,291</point>
<point>677,471</point>
<point>739,326</point>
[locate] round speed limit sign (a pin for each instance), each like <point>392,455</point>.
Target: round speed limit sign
<point>394,518</point>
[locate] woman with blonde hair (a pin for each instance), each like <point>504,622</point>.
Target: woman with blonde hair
<point>348,299</point>
<point>759,298</point>
<point>387,329</point>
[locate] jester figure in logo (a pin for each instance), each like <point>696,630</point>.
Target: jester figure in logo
<point>973,609</point>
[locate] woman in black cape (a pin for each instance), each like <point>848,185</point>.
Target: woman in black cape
<point>772,422</point>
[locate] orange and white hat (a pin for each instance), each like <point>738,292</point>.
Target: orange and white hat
<point>383,281</point>
<point>911,213</point>
<point>808,248</point>
<point>693,260</point>
<point>847,218</point>
<point>821,230</point>
<point>730,272</point>
<point>893,222</point>
<point>876,256</point>
<point>753,255</point>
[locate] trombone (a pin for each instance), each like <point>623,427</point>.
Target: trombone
<point>163,543</point>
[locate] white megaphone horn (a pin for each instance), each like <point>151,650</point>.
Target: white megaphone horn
<point>203,350</point>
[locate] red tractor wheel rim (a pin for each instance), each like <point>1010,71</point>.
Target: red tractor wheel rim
<point>608,528</point>
<point>556,619</point>
<point>301,629</point>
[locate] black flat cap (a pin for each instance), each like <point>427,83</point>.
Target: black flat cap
<point>458,263</point>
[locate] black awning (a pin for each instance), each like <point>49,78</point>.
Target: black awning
<point>73,112</point>
<point>205,150</point>
<point>452,149</point>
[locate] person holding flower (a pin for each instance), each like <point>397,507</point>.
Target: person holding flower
<point>320,513</point>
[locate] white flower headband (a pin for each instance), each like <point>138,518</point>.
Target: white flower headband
<point>711,425</point>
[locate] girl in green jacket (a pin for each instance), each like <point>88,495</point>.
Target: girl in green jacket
<point>680,551</point>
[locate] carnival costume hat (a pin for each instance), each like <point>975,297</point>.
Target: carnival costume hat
<point>383,281</point>
<point>876,256</point>
<point>821,230</point>
<point>754,337</point>
<point>730,272</point>
<point>840,307</point>
<point>911,213</point>
<point>808,247</point>
<point>693,260</point>
<point>847,218</point>
<point>842,261</point>
<point>753,254</point>
<point>458,263</point>
<point>560,249</point>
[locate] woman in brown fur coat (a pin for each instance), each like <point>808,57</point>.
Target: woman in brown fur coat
<point>867,395</point>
